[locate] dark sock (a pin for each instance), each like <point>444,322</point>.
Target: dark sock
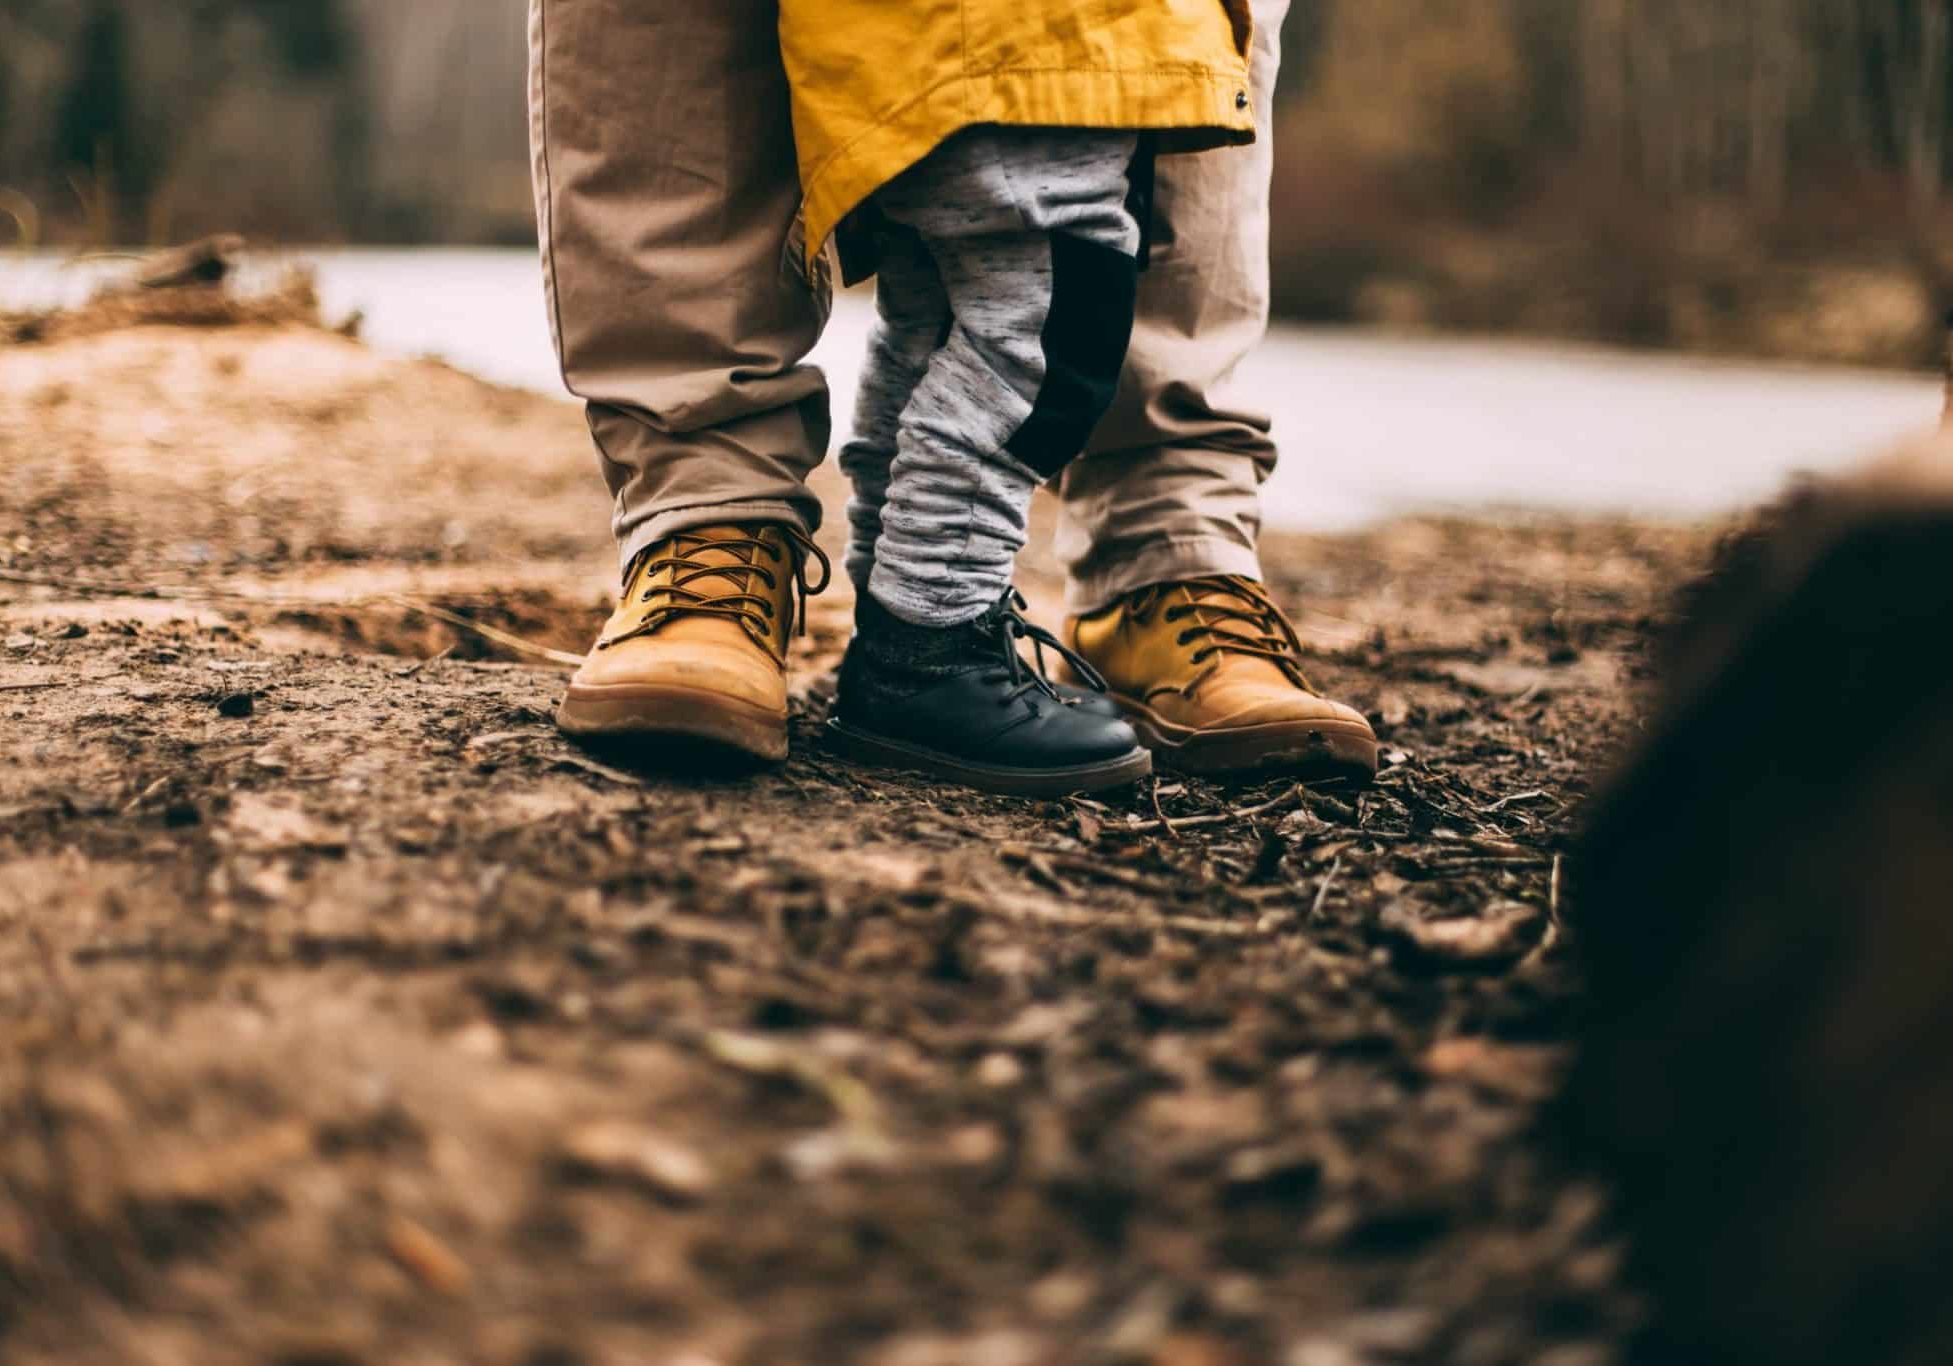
<point>890,659</point>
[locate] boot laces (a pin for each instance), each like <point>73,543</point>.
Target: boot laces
<point>1244,603</point>
<point>1024,679</point>
<point>752,611</point>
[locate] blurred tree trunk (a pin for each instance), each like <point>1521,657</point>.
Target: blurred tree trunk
<point>446,94</point>
<point>1772,84</point>
<point>405,121</point>
<point>1915,40</point>
<point>1604,86</point>
<point>96,138</point>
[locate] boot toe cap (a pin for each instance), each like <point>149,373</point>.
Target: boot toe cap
<point>1288,708</point>
<point>1068,736</point>
<point>709,669</point>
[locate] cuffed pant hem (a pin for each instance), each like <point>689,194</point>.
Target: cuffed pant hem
<point>664,525</point>
<point>923,610</point>
<point>1159,562</point>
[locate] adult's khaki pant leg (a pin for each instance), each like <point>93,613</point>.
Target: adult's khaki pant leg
<point>1171,485</point>
<point>666,190</point>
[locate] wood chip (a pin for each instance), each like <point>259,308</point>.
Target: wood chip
<point>1502,934</point>
<point>427,1259</point>
<point>227,1169</point>
<point>1527,1072</point>
<point>261,823</point>
<point>615,775</point>
<point>621,1151</point>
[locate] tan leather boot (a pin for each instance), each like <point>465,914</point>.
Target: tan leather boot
<point>697,649</point>
<point>1209,672</point>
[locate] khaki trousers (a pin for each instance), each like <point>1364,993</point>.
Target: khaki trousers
<point>666,197</point>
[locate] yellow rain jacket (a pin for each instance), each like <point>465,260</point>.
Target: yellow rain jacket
<point>877,84</point>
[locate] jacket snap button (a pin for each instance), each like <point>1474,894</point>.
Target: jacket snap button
<point>1240,99</point>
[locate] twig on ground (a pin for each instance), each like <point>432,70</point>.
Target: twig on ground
<point>145,794</point>
<point>1328,881</point>
<point>413,669</point>
<point>500,637</point>
<point>1494,848</point>
<point>1161,823</point>
<point>427,1258</point>
<point>1054,863</point>
<point>88,587</point>
<point>21,810</point>
<point>1028,911</point>
<point>616,775</point>
<point>852,1099</point>
<point>1554,930</point>
<point>1516,799</point>
<point>1459,862</point>
<point>1244,813</point>
<point>1059,863</point>
<point>1039,867</point>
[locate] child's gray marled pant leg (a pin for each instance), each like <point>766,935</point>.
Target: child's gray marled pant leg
<point>912,317</point>
<point>1034,250</point>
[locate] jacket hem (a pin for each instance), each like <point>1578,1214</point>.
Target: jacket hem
<point>1197,108</point>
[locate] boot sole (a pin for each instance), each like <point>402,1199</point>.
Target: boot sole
<point>1010,782</point>
<point>643,711</point>
<point>1302,749</point>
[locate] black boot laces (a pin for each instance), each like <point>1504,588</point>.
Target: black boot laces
<point>1011,625</point>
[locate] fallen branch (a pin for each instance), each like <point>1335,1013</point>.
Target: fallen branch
<point>198,593</point>
<point>82,586</point>
<point>500,637</point>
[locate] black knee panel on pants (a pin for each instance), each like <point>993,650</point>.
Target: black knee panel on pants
<point>1094,296</point>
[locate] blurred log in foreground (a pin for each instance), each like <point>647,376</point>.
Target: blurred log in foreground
<point>207,262</point>
<point>1767,910</point>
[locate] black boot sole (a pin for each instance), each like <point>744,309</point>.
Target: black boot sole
<point>1010,782</point>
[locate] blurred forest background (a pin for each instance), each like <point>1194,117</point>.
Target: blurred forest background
<point>1762,176</point>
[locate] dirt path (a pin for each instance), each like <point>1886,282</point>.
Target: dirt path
<point>347,1014</point>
